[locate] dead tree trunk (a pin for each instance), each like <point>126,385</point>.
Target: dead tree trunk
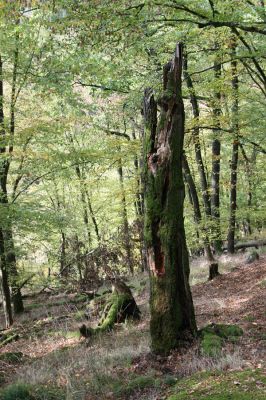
<point>172,311</point>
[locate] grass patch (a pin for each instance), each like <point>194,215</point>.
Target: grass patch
<point>263,283</point>
<point>211,345</point>
<point>214,336</point>
<point>65,334</point>
<point>245,385</point>
<point>137,383</point>
<point>11,357</point>
<point>21,391</point>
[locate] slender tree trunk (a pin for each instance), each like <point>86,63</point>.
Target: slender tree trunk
<point>234,160</point>
<point>78,256</point>
<point>196,140</point>
<point>64,270</point>
<point>4,283</point>
<point>248,170</point>
<point>172,311</point>
<point>125,218</point>
<point>92,215</point>
<point>216,150</point>
<point>3,270</point>
<point>192,189</point>
<point>84,203</point>
<point>213,266</point>
<point>201,169</point>
<point>10,262</point>
<point>139,205</point>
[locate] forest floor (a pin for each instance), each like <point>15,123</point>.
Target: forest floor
<point>53,362</point>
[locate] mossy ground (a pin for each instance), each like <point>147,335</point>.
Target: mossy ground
<point>214,336</point>
<point>244,385</point>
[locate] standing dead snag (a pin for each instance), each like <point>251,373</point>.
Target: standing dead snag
<point>172,311</point>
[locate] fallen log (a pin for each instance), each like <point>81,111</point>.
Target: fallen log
<point>245,245</point>
<point>9,339</point>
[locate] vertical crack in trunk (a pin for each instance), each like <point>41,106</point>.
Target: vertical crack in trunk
<point>172,312</point>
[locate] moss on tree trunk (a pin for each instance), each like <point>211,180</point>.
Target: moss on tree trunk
<point>172,311</point>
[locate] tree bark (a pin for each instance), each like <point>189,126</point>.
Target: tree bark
<point>248,170</point>
<point>11,264</point>
<point>10,257</point>
<point>196,140</point>
<point>234,160</point>
<point>139,203</point>
<point>172,311</point>
<point>4,283</point>
<point>245,245</point>
<point>199,160</point>
<point>125,218</point>
<point>64,270</point>
<point>196,208</point>
<point>216,150</point>
<point>92,215</point>
<point>84,203</point>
